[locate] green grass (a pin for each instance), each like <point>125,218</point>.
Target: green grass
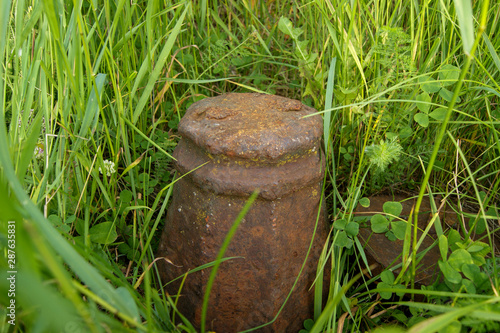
<point>86,85</point>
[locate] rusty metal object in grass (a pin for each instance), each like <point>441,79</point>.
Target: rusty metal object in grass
<point>250,141</point>
<point>387,253</point>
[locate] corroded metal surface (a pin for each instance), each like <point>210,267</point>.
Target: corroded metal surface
<point>387,253</point>
<point>251,126</point>
<point>250,141</point>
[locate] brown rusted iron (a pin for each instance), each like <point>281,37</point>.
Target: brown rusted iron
<point>387,253</point>
<point>250,141</point>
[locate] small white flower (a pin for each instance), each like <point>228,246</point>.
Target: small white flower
<point>109,167</point>
<point>39,150</point>
<point>20,53</point>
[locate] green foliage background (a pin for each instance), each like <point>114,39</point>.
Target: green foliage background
<point>91,93</point>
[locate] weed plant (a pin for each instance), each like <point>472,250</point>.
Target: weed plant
<point>91,93</point>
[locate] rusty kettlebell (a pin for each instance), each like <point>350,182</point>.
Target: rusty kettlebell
<point>250,141</point>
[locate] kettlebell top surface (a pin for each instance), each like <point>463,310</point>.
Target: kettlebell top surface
<point>252,126</point>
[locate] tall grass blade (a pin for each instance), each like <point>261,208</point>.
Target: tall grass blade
<point>147,139</point>
<point>159,66</point>
<point>51,10</point>
<point>331,305</point>
<point>51,310</point>
<point>493,52</point>
<point>465,21</point>
<point>439,322</point>
<point>4,22</point>
<point>328,104</point>
<point>89,122</point>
